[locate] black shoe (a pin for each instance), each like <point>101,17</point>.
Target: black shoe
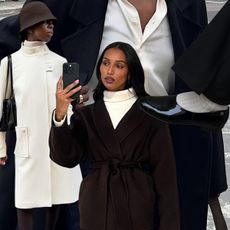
<point>166,109</point>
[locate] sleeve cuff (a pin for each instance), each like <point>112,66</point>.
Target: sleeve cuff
<point>58,123</point>
<point>2,145</point>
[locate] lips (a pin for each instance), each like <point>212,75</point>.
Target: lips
<point>109,80</point>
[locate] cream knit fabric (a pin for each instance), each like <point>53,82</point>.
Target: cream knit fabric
<point>118,104</point>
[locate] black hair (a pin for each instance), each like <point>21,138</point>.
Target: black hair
<point>23,35</point>
<point>135,71</point>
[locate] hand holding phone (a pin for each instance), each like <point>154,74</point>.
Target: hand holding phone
<point>71,74</point>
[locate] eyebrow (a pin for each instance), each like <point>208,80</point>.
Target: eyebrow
<point>116,60</point>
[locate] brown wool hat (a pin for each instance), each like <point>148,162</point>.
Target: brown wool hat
<point>33,13</point>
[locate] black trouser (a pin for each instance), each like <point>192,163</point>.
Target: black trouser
<point>8,215</point>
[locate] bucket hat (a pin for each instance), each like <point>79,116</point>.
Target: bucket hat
<point>33,13</point>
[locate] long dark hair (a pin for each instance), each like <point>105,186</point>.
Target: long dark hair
<point>136,72</point>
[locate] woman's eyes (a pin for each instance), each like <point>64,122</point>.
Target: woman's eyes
<point>118,65</point>
<point>105,63</point>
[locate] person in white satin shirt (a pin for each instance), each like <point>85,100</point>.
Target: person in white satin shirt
<point>160,31</point>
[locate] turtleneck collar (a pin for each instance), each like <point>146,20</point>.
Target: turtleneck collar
<point>34,48</point>
<point>118,96</point>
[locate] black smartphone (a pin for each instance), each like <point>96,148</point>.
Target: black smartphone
<point>71,74</point>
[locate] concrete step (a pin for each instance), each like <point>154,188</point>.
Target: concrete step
<point>9,8</point>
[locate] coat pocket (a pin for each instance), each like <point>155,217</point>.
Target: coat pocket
<point>22,143</point>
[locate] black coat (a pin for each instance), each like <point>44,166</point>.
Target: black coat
<point>132,184</point>
<point>78,35</point>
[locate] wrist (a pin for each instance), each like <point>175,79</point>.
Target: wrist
<point>59,116</point>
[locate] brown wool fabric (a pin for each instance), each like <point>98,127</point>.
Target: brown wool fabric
<point>33,13</point>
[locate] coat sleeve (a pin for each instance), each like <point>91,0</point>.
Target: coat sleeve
<point>3,78</point>
<point>67,142</point>
<point>3,75</point>
<point>164,177</point>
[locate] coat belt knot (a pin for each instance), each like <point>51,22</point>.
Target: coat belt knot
<point>116,190</point>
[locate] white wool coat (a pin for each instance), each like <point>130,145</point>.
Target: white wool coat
<point>39,182</point>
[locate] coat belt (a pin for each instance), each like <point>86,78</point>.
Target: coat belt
<point>117,190</point>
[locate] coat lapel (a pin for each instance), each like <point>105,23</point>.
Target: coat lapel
<point>132,119</point>
<point>186,19</point>
<point>192,10</point>
<point>181,4</point>
<point>105,128</point>
<point>88,11</point>
<point>110,137</point>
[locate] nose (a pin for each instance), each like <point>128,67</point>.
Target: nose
<point>50,24</point>
<point>110,70</point>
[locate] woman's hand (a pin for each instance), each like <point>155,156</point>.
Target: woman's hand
<point>3,161</point>
<point>63,97</point>
<point>84,94</point>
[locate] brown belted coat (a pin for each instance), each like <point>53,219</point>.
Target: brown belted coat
<point>132,184</point>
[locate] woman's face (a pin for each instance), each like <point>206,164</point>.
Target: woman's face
<point>114,70</point>
<point>41,32</point>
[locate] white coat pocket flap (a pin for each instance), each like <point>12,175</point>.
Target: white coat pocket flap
<point>22,145</point>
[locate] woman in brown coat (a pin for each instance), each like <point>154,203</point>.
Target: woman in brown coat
<point>132,183</point>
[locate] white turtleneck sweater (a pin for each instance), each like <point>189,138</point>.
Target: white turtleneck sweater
<point>36,48</point>
<point>118,104</point>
